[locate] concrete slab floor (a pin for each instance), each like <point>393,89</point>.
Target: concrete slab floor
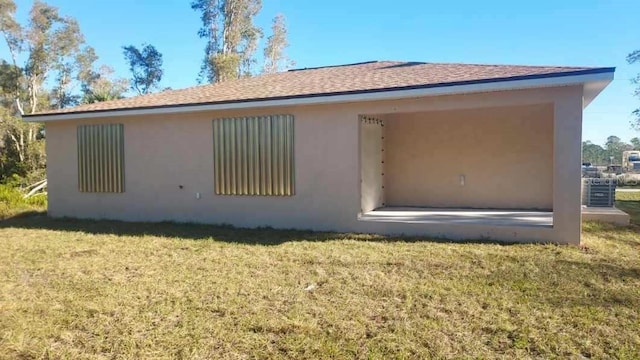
<point>493,217</point>
<point>605,214</point>
<point>416,215</point>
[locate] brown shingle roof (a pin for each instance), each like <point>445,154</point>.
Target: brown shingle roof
<point>353,78</point>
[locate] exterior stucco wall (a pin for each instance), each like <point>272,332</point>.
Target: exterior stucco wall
<point>164,152</point>
<point>476,158</point>
<point>371,166</point>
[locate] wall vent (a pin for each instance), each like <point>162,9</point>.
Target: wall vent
<point>598,192</point>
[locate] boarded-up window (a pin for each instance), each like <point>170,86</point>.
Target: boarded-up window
<point>254,155</point>
<point>101,158</point>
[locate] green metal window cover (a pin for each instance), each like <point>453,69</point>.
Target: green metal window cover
<point>254,155</point>
<point>101,158</point>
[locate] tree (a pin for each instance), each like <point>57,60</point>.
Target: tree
<point>145,66</point>
<point>67,41</point>
<point>633,58</point>
<point>635,142</point>
<point>275,58</point>
<point>50,45</point>
<point>13,36</point>
<point>210,30</point>
<point>100,86</point>
<point>97,85</point>
<point>594,153</point>
<point>10,80</point>
<point>249,33</point>
<point>614,148</point>
<point>52,42</point>
<point>232,37</point>
<point>85,62</point>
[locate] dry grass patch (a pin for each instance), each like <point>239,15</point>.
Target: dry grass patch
<point>97,290</point>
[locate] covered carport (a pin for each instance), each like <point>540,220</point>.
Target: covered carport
<point>476,163</point>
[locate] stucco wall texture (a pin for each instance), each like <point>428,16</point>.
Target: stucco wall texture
<point>163,153</point>
<point>499,158</point>
<point>371,163</point>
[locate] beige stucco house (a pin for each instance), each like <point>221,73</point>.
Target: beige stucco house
<point>441,150</point>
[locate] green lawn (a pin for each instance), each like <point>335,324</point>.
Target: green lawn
<point>629,202</point>
<point>109,290</point>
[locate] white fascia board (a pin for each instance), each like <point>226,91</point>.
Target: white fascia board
<point>603,78</point>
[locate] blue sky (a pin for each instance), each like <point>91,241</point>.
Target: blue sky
<point>542,32</point>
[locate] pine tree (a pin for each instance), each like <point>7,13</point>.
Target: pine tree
<point>231,35</point>
<point>275,58</point>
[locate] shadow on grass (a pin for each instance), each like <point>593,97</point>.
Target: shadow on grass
<point>194,231</point>
<point>584,281</point>
<point>595,278</point>
<point>191,231</point>
<point>604,269</point>
<point>631,207</point>
<point>625,235</point>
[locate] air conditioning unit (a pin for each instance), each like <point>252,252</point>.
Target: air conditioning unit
<point>599,192</point>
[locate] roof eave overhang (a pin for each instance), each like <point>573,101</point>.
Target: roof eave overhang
<point>593,82</point>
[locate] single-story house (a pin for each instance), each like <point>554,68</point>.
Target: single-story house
<point>458,151</point>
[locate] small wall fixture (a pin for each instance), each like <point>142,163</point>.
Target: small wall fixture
<point>462,180</point>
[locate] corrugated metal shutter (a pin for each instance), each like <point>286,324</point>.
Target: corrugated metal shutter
<point>254,155</point>
<point>101,158</point>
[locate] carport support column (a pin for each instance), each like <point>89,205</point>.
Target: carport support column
<point>567,157</point>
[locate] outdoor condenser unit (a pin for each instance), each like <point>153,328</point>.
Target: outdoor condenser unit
<point>598,192</point>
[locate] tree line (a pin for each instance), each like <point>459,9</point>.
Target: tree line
<point>611,152</point>
<point>51,66</point>
<point>614,146</point>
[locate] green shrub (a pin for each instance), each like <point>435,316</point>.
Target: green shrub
<point>12,201</point>
<point>11,196</point>
<point>37,200</point>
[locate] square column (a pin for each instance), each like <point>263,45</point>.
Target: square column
<point>567,173</point>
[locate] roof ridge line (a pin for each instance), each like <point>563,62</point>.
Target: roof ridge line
<point>516,65</point>
<point>334,66</point>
